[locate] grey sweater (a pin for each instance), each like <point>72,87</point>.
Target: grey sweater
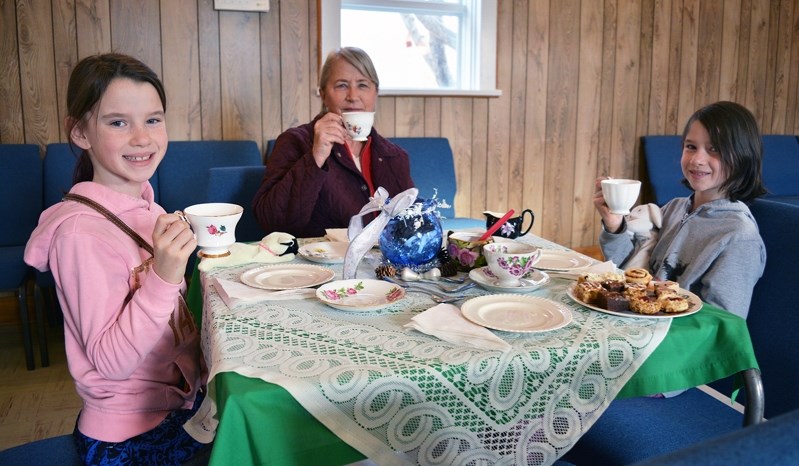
<point>715,252</point>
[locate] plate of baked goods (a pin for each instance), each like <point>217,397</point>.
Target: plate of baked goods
<point>634,294</point>
<point>286,276</point>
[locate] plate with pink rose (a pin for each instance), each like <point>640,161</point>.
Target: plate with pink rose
<point>360,295</point>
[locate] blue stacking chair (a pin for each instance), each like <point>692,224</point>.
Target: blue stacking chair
<point>781,167</point>
<point>662,157</point>
<point>59,167</point>
<point>59,450</point>
<point>773,319</point>
<point>237,185</point>
<point>183,172</point>
<point>433,169</point>
<point>771,443</point>
<point>21,194</point>
<point>270,146</point>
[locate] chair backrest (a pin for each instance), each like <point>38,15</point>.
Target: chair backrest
<point>182,173</point>
<point>772,442</point>
<point>270,146</point>
<point>20,191</point>
<point>432,168</point>
<point>781,165</point>
<point>59,450</point>
<point>237,185</point>
<point>59,167</point>
<point>662,156</point>
<point>773,318</point>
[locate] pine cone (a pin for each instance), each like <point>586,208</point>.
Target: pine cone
<point>386,270</point>
<point>449,268</point>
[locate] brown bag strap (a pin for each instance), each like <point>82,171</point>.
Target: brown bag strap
<point>114,219</point>
<point>185,314</point>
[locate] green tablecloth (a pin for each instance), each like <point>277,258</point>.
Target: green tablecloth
<point>698,349</point>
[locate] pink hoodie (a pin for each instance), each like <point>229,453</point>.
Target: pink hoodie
<point>129,350</point>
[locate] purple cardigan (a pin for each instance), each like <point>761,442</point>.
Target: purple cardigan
<point>299,198</point>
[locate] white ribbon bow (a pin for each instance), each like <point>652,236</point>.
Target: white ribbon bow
<point>362,239</point>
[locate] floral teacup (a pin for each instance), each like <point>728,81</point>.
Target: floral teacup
<point>214,226</point>
<point>510,261</point>
<point>466,250</point>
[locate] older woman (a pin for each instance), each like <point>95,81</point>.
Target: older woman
<point>317,177</point>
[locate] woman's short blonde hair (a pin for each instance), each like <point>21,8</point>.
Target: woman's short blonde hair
<point>355,57</point>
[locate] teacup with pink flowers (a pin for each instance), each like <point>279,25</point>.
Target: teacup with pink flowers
<point>214,226</point>
<point>510,261</point>
<point>466,250</point>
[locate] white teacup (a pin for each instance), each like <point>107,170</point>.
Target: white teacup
<point>358,124</point>
<point>214,226</point>
<point>620,195</point>
<point>510,261</point>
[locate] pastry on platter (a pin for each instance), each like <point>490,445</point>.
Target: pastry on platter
<point>638,275</point>
<point>673,304</point>
<point>645,305</point>
<point>600,277</point>
<point>635,289</point>
<point>588,292</point>
<point>614,301</point>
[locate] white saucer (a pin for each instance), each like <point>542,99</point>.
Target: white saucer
<point>360,295</point>
<point>561,261</point>
<point>532,281</point>
<point>325,252</point>
<point>286,276</point>
<point>515,313</point>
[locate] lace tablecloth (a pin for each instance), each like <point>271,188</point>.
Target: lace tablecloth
<point>403,397</point>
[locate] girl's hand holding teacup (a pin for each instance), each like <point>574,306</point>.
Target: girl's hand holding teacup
<point>173,244</point>
<point>611,221</point>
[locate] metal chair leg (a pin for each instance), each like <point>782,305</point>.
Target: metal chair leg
<point>41,322</point>
<point>755,398</point>
<point>27,338</point>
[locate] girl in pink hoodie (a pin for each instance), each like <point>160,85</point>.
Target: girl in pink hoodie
<point>132,346</point>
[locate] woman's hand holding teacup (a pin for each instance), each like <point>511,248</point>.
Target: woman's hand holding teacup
<point>173,244</point>
<point>328,130</point>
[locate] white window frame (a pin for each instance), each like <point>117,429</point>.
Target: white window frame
<point>485,75</point>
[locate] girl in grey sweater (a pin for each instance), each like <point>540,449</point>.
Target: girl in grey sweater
<point>709,242</point>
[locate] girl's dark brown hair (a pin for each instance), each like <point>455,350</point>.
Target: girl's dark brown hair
<point>87,84</point>
<point>733,131</point>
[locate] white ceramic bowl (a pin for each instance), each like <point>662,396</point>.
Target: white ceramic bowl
<point>510,261</point>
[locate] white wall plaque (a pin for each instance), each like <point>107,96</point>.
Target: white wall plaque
<point>242,5</point>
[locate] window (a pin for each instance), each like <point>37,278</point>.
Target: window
<point>433,47</point>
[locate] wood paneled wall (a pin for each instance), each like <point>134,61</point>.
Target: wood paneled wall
<point>581,81</point>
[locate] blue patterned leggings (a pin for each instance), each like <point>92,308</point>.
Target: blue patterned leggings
<point>166,444</point>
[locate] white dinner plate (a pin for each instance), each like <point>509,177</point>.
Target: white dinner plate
<point>286,276</point>
<point>360,295</point>
<point>694,306</point>
<point>326,252</point>
<point>531,281</point>
<point>561,261</point>
<point>516,313</point>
